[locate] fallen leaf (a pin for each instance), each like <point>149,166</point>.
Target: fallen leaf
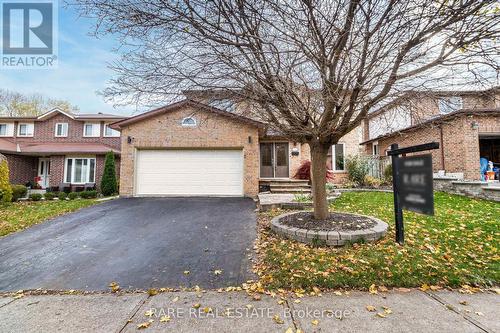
<point>315,322</point>
<point>371,308</point>
<point>382,289</point>
<point>149,313</point>
<point>297,301</point>
<point>152,292</point>
<point>114,286</point>
<point>165,319</point>
<point>464,302</point>
<point>186,272</point>
<point>207,309</point>
<point>381,315</point>
<point>281,302</point>
<point>197,306</point>
<point>373,289</point>
<point>176,298</point>
<point>278,320</point>
<point>424,287</point>
<point>144,325</point>
<point>218,272</point>
<point>256,297</point>
<point>479,313</point>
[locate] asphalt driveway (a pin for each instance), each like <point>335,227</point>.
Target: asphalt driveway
<point>138,242</point>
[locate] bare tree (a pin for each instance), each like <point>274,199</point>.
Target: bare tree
<point>312,68</point>
<point>15,104</point>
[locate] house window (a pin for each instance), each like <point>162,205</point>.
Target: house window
<point>25,129</point>
<point>189,122</point>
<point>6,129</point>
<point>338,157</point>
<point>80,170</point>
<point>108,131</point>
<point>61,130</point>
<point>450,104</point>
<point>91,129</point>
<point>375,149</point>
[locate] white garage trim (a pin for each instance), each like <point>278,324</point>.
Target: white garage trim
<point>189,172</point>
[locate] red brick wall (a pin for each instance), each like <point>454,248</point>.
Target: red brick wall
<point>44,132</point>
<point>57,169</point>
<point>459,152</point>
<point>22,168</point>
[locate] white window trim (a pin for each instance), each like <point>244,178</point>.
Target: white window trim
<point>189,125</point>
<point>28,135</point>
<point>63,135</point>
<point>373,149</point>
<point>110,136</point>
<point>93,124</point>
<point>73,168</point>
<point>333,158</point>
<point>9,130</point>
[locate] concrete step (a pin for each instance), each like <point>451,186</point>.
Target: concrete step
<point>289,186</point>
<point>291,190</point>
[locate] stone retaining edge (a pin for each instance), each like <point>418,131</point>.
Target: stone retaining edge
<point>331,238</point>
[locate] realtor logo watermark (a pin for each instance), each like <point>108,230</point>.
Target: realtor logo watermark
<point>29,34</point>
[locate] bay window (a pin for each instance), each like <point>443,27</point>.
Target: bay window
<point>80,170</point>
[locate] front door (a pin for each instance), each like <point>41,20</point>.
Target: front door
<point>44,172</point>
<point>274,160</point>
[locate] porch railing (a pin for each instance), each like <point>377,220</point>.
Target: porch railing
<point>377,165</point>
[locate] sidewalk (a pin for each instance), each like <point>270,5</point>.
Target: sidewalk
<point>412,311</point>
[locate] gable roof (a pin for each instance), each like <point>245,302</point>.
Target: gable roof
<point>179,105</point>
<point>438,120</point>
<point>75,116</point>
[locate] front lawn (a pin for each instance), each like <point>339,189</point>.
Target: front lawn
<point>21,215</point>
<point>458,246</point>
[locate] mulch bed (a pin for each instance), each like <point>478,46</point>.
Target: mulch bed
<point>336,222</point>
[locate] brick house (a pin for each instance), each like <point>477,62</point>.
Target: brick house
<point>58,148</point>
<point>211,145</point>
<point>465,124</point>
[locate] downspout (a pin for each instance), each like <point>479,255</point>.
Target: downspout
<point>441,146</point>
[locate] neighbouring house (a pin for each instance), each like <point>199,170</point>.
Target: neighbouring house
<point>466,125</point>
<point>211,146</point>
<point>58,149</point>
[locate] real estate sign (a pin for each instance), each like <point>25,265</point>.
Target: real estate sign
<point>415,185</point>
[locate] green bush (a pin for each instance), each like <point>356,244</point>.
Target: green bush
<point>388,173</point>
<point>88,194</point>
<point>72,195</point>
<point>62,195</point>
<point>108,182</point>
<point>357,169</point>
<point>49,195</point>
<point>18,191</point>
<point>35,197</point>
<point>5,187</point>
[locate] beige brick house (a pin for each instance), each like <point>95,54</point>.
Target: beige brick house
<point>465,124</point>
<point>211,147</point>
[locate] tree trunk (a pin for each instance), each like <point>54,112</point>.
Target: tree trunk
<point>319,155</point>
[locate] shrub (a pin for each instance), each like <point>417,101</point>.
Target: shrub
<point>357,168</point>
<point>372,181</point>
<point>5,188</point>
<point>388,173</point>
<point>49,195</point>
<point>88,194</point>
<point>72,195</point>
<point>35,197</point>
<point>108,182</point>
<point>62,195</point>
<point>304,172</point>
<point>18,191</point>
<point>330,187</point>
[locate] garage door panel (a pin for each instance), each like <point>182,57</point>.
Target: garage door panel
<point>189,172</point>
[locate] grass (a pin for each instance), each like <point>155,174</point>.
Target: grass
<point>21,215</point>
<point>457,246</point>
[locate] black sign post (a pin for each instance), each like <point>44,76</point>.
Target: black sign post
<point>411,183</point>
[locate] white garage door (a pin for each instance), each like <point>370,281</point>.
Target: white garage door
<point>189,172</point>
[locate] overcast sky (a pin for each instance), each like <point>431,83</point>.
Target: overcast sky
<point>82,68</point>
